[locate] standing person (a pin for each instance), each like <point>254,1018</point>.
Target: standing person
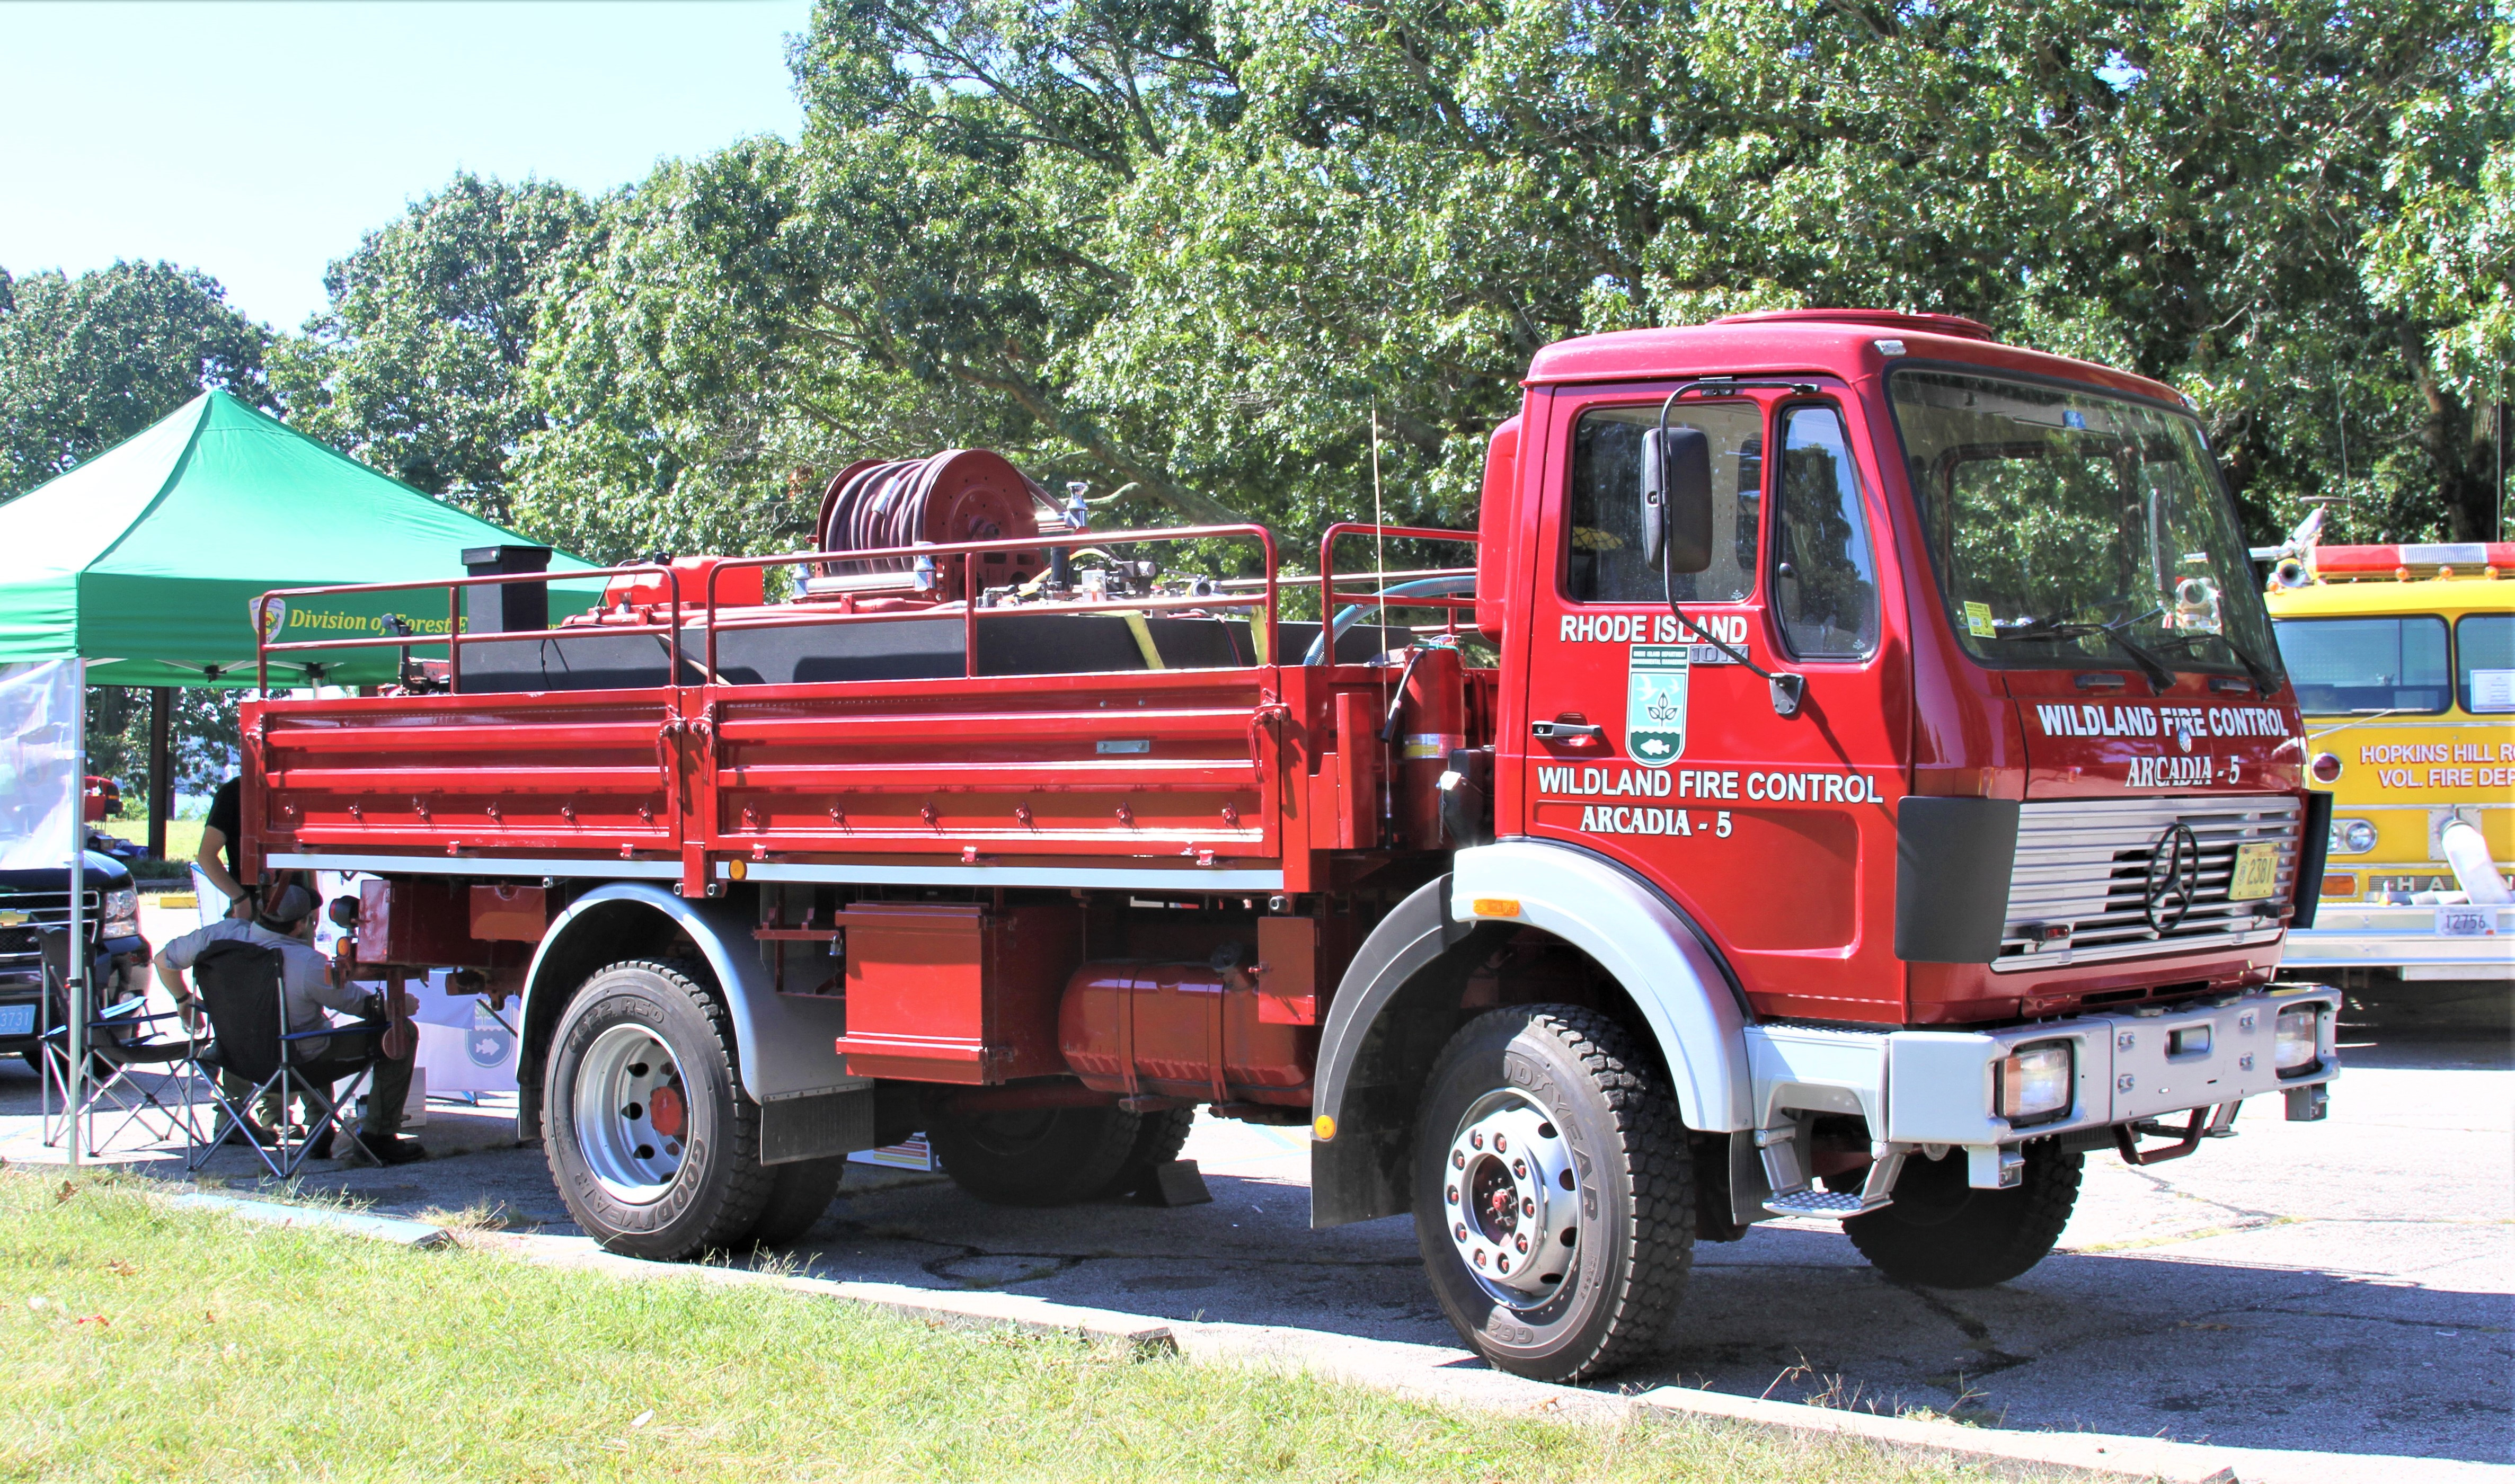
<point>286,921</point>
<point>217,857</point>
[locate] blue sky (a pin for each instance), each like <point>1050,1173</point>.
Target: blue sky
<point>257,141</point>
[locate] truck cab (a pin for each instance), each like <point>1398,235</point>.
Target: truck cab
<point>1850,777</point>
<point>2006,583</point>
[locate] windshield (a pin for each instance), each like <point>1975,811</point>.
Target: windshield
<point>2347,665</point>
<point>2071,528</point>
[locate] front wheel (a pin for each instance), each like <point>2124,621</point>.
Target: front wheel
<point>651,1142</point>
<point>1941,1232</point>
<point>1554,1197</point>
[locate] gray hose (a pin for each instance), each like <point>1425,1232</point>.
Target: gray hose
<point>1422,587</point>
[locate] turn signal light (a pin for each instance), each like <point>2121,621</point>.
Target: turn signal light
<point>2036,1081</point>
<point>1495,906</point>
<point>2341,884</point>
<point>2326,767</point>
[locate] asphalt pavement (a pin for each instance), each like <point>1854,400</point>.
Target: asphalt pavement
<point>2345,1286</point>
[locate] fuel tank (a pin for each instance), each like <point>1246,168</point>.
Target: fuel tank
<point>1145,1027</point>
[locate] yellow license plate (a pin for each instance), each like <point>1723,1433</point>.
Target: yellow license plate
<point>2257,873</point>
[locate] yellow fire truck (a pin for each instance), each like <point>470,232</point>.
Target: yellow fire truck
<point>2403,658</point>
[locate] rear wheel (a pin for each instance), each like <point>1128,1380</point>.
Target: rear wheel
<point>1159,1138</point>
<point>1553,1196</point>
<point>797,1194</point>
<point>1941,1232</point>
<point>651,1142</point>
<point>1035,1156</point>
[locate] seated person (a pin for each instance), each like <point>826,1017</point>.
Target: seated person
<point>308,987</point>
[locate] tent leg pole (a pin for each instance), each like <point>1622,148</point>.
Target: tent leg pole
<point>161,765</point>
<point>76,959</point>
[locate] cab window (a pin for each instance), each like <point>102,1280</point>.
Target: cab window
<point>1602,548</point>
<point>1825,573</point>
<point>2346,665</point>
<point>2484,652</point>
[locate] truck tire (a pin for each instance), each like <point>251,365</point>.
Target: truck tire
<point>650,1141</point>
<point>1035,1157</point>
<point>797,1194</point>
<point>1553,1193</point>
<point>1943,1233</point>
<point>1159,1138</point>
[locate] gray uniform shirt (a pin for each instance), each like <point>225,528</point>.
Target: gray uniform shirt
<point>305,975</point>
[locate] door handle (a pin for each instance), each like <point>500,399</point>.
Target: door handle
<point>1576,733</point>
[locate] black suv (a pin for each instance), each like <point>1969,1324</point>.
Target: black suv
<point>32,901</point>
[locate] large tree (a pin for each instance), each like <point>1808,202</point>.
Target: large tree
<point>417,366</point>
<point>88,360</point>
<point>1285,257</point>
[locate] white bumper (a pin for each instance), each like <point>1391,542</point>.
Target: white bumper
<point>2407,939</point>
<point>1930,1088</point>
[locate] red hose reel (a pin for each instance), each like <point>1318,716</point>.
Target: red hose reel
<point>958,495</point>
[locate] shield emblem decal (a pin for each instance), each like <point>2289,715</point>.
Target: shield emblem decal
<point>1655,704</point>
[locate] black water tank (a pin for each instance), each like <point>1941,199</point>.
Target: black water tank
<point>507,607</point>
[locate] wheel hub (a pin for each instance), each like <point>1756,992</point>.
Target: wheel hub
<point>631,1114</point>
<point>1512,1200</point>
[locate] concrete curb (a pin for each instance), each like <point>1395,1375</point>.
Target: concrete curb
<point>1020,1311</point>
<point>2081,1454</point>
<point>1450,1376</point>
<point>319,1217</point>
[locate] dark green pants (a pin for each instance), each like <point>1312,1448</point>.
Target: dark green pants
<point>390,1087</point>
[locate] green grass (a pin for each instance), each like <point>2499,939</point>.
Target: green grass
<point>182,836</point>
<point>145,1341</point>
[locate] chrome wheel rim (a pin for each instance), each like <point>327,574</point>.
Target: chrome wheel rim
<point>631,1117</point>
<point>1511,1200</point>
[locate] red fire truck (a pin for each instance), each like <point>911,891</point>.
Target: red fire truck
<point>1845,775</point>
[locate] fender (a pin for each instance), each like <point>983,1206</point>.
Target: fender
<point>1360,1171</point>
<point>1694,1008</point>
<point>784,1044</point>
<point>1637,936</point>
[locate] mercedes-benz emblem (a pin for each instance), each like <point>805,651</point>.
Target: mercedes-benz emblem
<point>2173,876</point>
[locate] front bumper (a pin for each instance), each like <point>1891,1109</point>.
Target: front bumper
<point>2406,938</point>
<point>1927,1089</point>
<point>120,971</point>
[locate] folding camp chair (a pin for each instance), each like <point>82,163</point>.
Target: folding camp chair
<point>241,990</point>
<point>131,1061</point>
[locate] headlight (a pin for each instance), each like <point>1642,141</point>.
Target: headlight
<point>122,913</point>
<point>2300,1036</point>
<point>2036,1081</point>
<point>2352,837</point>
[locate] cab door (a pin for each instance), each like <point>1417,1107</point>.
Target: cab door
<point>1659,750</point>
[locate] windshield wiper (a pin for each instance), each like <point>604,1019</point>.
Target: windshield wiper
<point>2160,678</point>
<point>2264,682</point>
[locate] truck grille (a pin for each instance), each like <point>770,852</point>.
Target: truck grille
<point>22,947</point>
<point>2079,891</point>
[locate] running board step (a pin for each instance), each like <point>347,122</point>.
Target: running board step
<point>1823,1205</point>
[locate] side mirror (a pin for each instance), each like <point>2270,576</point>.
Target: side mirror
<point>1676,498</point>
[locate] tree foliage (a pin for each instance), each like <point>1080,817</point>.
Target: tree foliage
<point>1287,258</point>
<point>417,367</point>
<point>87,361</point>
<point>1226,257</point>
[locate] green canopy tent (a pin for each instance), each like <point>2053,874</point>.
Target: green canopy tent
<point>140,567</point>
<point>145,561</point>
